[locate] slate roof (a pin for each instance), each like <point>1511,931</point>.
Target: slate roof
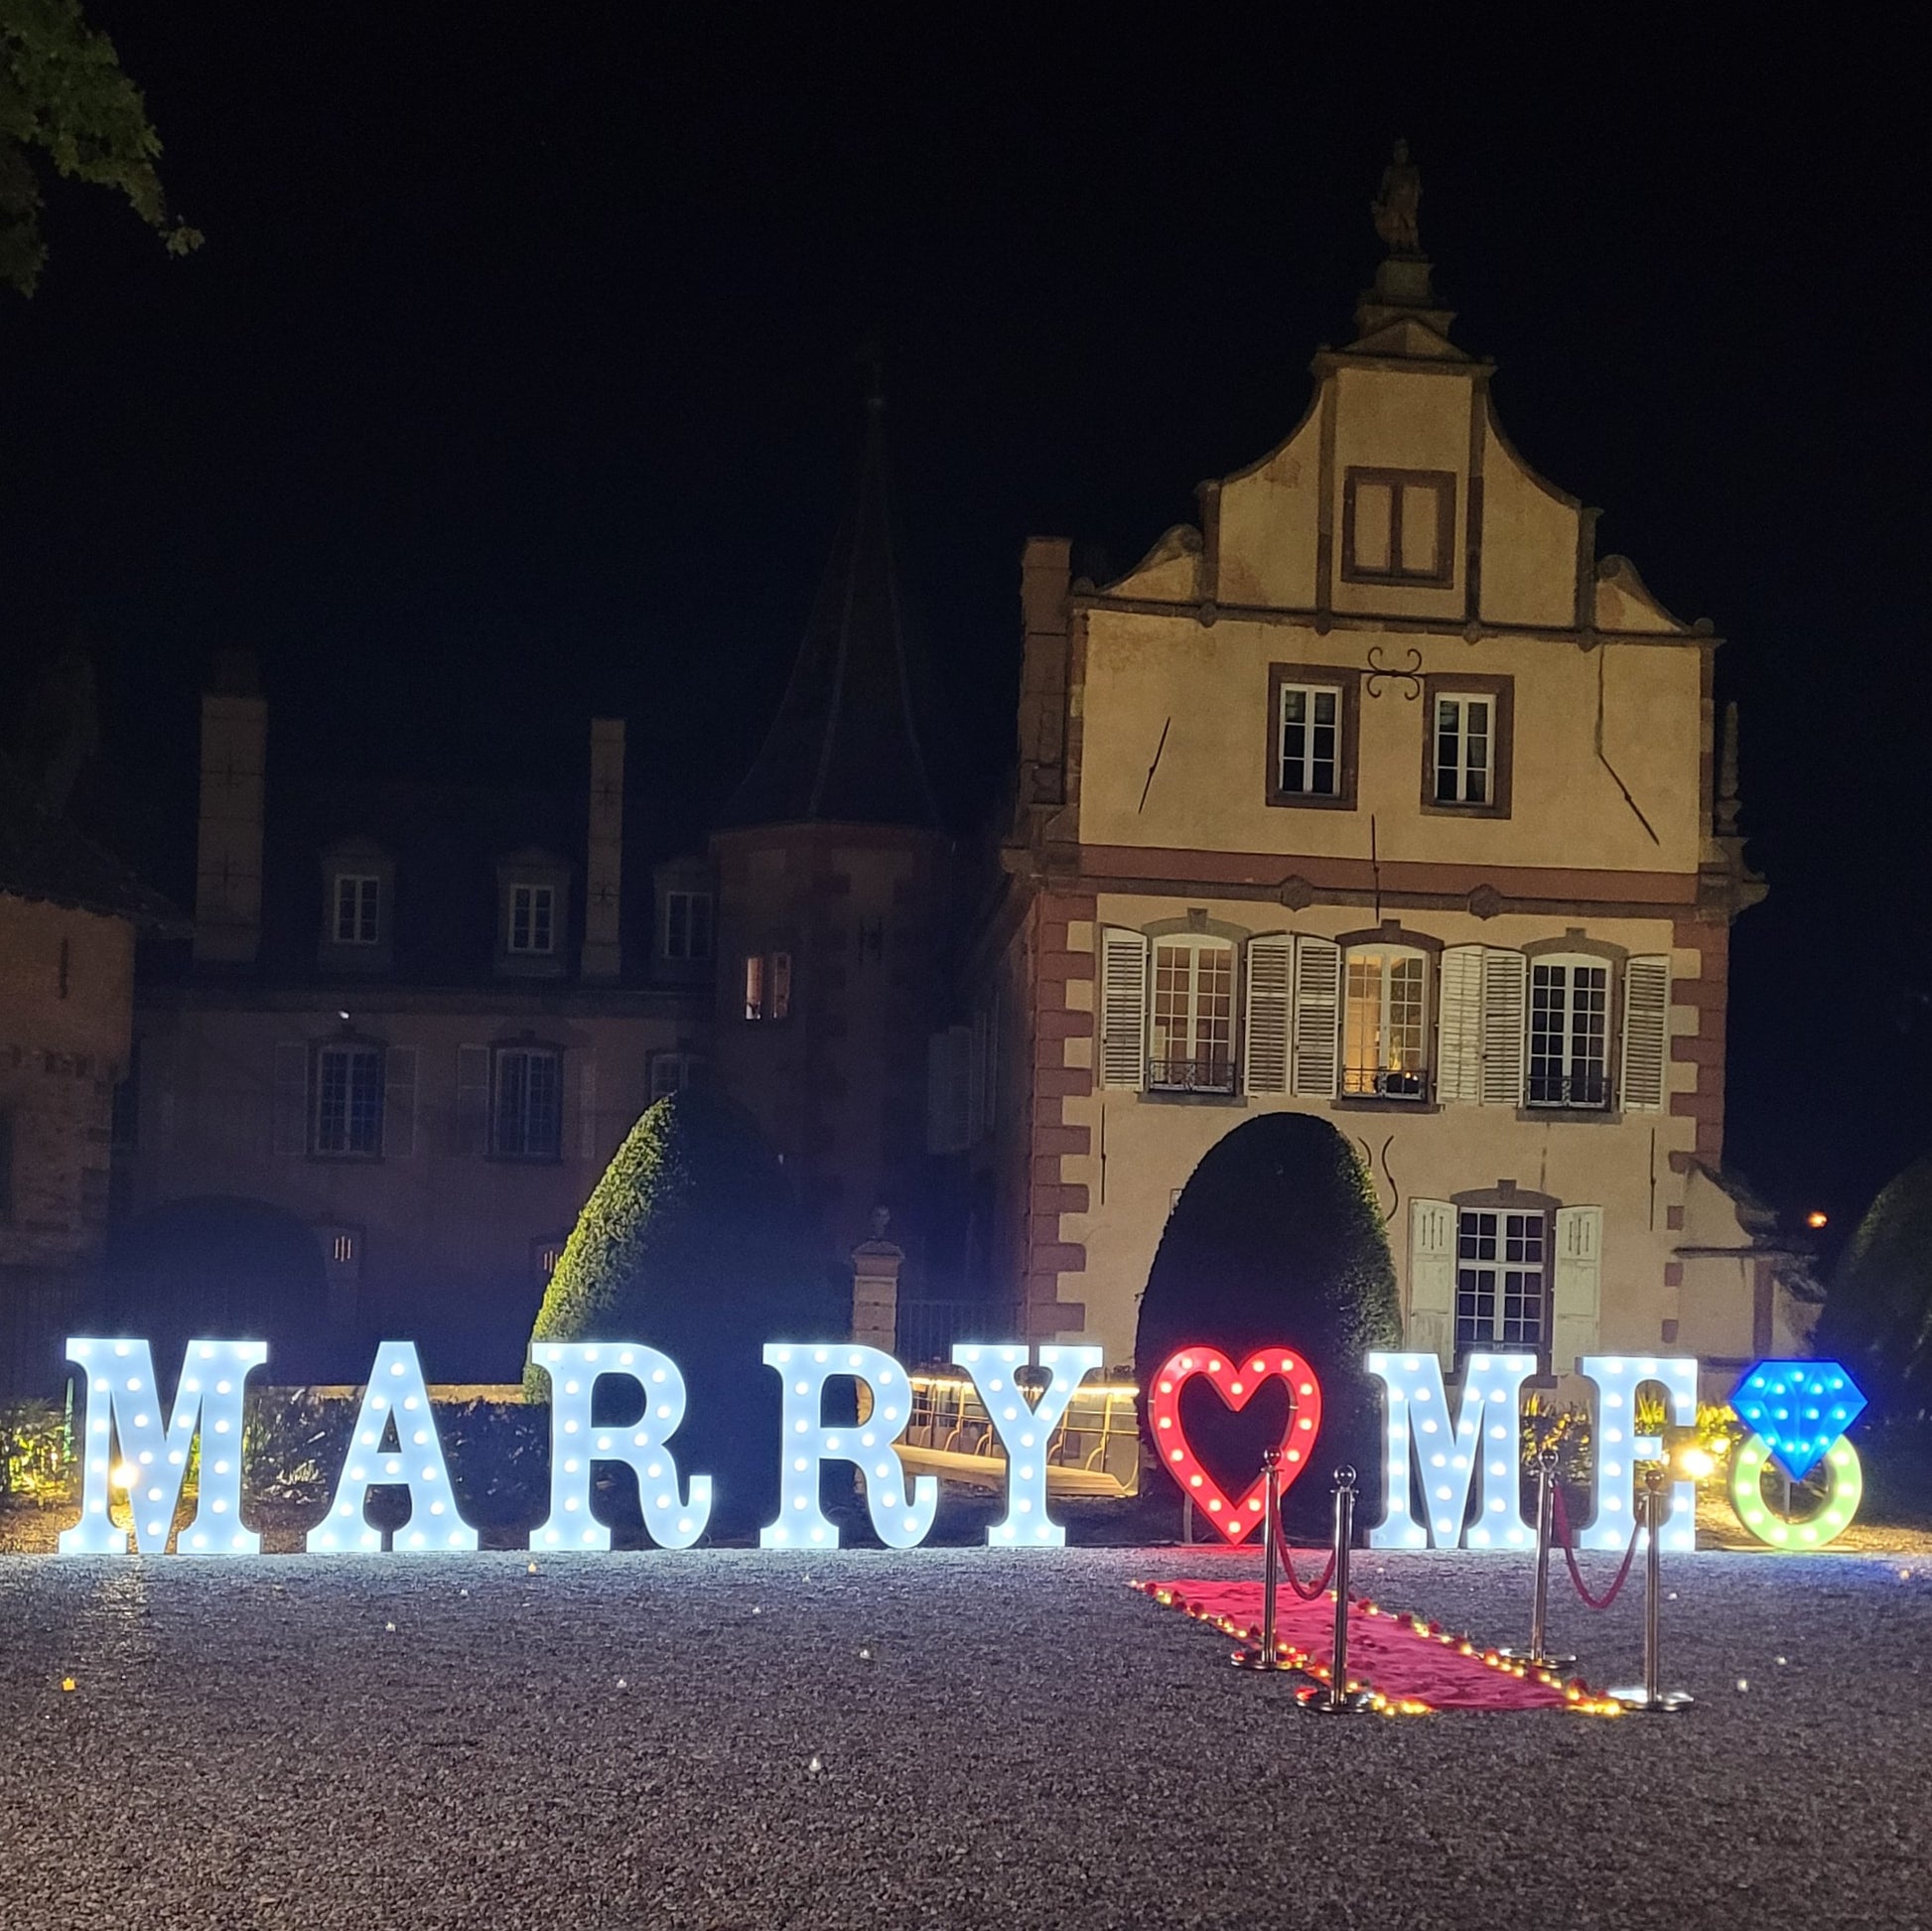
<point>844,747</point>
<point>44,858</point>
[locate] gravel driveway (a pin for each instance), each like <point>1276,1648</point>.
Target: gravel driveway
<point>946,1738</point>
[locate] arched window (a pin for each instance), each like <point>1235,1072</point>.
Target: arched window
<point>1385,1023</point>
<point>1569,1032</point>
<point>1190,1015</point>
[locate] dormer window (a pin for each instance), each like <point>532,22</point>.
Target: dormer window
<point>359,908</point>
<point>359,900</point>
<point>687,926</point>
<point>1398,526</point>
<point>533,920</point>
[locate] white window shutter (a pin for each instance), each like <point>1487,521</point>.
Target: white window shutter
<point>1271,977</point>
<point>1459,1039</point>
<point>1505,1014</point>
<point>1432,1279</point>
<point>1577,1295</point>
<point>1646,1035</point>
<point>587,1135</point>
<point>473,1100</point>
<point>1123,1009</point>
<point>1317,1017</point>
<point>291,1103</point>
<point>948,1090</point>
<point>398,1102</point>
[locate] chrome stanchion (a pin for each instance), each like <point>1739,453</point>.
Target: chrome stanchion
<point>1262,1655</point>
<point>1537,1655</point>
<point>1334,1698</point>
<point>1647,1698</point>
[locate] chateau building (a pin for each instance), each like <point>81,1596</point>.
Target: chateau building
<point>1378,794</point>
<point>415,1023</point>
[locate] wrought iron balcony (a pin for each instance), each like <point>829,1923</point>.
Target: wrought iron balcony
<point>1577,1090</point>
<point>1190,1075</point>
<point>1384,1084</point>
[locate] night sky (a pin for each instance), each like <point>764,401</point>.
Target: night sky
<point>519,381</point>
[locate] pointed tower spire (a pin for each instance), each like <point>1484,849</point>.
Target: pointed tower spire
<point>844,747</point>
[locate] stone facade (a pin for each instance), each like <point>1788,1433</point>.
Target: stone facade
<point>1379,795</point>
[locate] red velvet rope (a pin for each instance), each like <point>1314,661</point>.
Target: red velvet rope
<point>1603,1601</point>
<point>1315,1588</point>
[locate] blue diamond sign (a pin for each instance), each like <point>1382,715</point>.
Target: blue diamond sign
<point>1800,1407</point>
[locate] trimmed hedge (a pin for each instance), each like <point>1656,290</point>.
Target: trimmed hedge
<point>693,1243</point>
<point>1877,1313</point>
<point>1279,1238</point>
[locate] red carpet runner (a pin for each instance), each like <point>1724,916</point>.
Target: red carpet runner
<point>1411,1666</point>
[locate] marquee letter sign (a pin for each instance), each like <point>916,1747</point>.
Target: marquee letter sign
<point>124,1407</point>
<point>1453,1452</point>
<point>395,1403</point>
<point>1464,1454</point>
<point>575,1368</point>
<point>866,1445</point>
<point>1235,1378</point>
<point>1024,1431</point>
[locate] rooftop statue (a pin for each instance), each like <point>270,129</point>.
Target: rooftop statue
<point>1395,206</point>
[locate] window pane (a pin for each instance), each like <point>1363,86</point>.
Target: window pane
<point>1374,511</point>
<point>780,985</point>
<point>754,986</point>
<point>1311,741</point>
<point>677,925</point>
<point>1190,1038</point>
<point>349,1100</point>
<point>1421,529</point>
<point>1448,748</point>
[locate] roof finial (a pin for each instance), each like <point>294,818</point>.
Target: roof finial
<point>1395,208</point>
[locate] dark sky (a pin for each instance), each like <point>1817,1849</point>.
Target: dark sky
<point>517,381</point>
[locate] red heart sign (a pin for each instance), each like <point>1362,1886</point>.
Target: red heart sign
<point>1235,1381</point>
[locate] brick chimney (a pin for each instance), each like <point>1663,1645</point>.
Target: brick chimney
<point>603,864</point>
<point>228,838</point>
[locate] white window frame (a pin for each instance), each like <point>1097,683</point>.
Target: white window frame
<point>1458,769</point>
<point>1510,1224</point>
<point>1554,1091</point>
<point>1373,1077</point>
<point>357,1133</point>
<point>359,896</point>
<point>679,943</point>
<point>516,1143</point>
<point>1207,1065</point>
<point>1307,759</point>
<point>527,900</point>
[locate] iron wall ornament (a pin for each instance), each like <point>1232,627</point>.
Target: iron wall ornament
<point>1378,673</point>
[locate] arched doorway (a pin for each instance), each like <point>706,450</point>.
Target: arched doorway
<point>1278,1238</point>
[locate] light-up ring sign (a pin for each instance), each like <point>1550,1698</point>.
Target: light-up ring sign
<point>1798,1412</point>
<point>1235,1378</point>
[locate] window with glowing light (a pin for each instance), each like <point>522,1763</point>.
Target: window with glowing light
<point>768,985</point>
<point>533,920</point>
<point>349,1100</point>
<point>1569,1033</point>
<point>1501,1277</point>
<point>1191,1019</point>
<point>528,1116</point>
<point>1385,1032</point>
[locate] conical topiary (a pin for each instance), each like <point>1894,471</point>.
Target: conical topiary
<point>1278,1238</point>
<point>693,1243</point>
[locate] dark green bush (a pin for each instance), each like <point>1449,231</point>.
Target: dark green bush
<point>693,1243</point>
<point>1278,1238</point>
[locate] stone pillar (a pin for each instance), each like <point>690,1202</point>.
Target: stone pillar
<point>228,840</point>
<point>875,1287</point>
<point>603,867</point>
